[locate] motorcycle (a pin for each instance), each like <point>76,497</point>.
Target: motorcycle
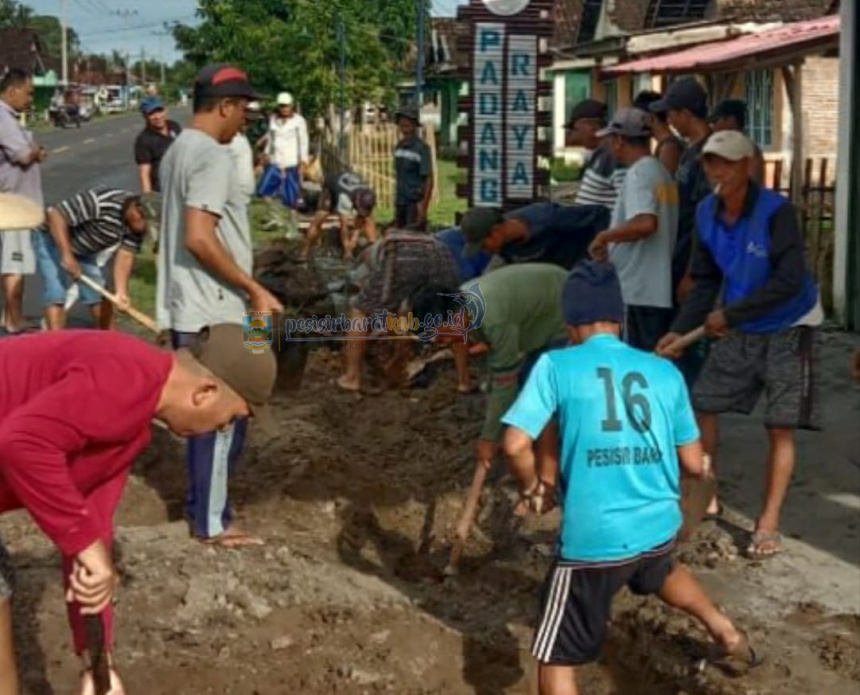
<point>64,116</point>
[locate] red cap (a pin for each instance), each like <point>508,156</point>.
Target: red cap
<point>222,80</point>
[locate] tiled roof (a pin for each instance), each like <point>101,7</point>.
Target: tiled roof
<point>19,48</point>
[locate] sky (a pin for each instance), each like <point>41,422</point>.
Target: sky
<point>105,25</point>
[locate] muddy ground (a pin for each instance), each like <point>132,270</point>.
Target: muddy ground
<point>356,501</point>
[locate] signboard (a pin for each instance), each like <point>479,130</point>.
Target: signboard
<point>508,110</point>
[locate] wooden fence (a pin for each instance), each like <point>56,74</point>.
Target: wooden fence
<point>816,202</point>
<point>369,152</point>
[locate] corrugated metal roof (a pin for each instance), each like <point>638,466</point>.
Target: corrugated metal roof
<point>710,55</point>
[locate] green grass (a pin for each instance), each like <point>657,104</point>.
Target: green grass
<point>142,288</point>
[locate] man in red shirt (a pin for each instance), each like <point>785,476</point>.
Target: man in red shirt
<point>75,412</point>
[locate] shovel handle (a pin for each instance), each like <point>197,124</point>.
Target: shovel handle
<point>138,316</point>
<point>95,632</point>
<point>467,519</point>
<point>687,339</point>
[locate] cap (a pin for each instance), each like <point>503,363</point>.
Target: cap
<point>477,224</point>
<point>150,105</point>
<point>364,200</point>
<point>254,111</point>
<point>409,112</point>
<point>730,108</point>
<point>632,123</point>
<point>221,349</point>
<point>685,93</point>
<point>729,144</point>
<point>222,80</point>
<point>591,294</point>
<point>587,108</point>
<point>18,213</point>
<point>285,99</point>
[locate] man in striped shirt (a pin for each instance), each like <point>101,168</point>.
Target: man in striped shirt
<point>96,221</point>
<point>602,177</point>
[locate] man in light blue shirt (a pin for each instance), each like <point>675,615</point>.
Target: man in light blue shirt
<point>625,421</point>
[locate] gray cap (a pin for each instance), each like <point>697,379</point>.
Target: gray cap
<point>632,123</point>
<point>729,144</point>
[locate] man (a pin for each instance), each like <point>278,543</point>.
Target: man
<point>78,230</point>
<point>76,409</point>
<point>399,266</point>
<point>644,227</point>
<point>670,148</point>
<point>750,260</point>
<point>413,170</point>
<point>523,319</point>
<point>287,148</point>
<point>153,142</point>
<point>601,176</point>
<point>686,106</point>
<point>205,271</point>
<point>242,153</point>
<point>536,233</point>
<point>352,199</point>
<point>731,114</point>
<point>20,173</point>
<point>626,422</point>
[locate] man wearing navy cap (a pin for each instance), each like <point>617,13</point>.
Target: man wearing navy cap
<point>731,114</point>
<point>627,430</point>
<point>153,142</point>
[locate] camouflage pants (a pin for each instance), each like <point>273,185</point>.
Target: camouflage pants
<point>151,203</point>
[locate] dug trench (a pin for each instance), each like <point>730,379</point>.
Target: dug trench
<point>357,500</point>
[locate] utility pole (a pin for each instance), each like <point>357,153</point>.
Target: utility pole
<point>64,30</point>
<point>143,66</point>
<point>126,15</point>
<point>341,39</point>
<point>161,35</point>
<point>419,63</point>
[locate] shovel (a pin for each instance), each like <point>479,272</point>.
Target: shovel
<point>138,316</point>
<point>95,632</point>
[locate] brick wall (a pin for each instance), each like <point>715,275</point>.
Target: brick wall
<point>821,106</point>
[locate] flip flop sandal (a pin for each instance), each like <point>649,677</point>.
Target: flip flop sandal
<point>735,662</point>
<point>760,538</point>
<point>237,540</point>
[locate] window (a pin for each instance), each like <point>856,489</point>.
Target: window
<point>665,13</point>
<point>577,86</point>
<point>590,18</point>
<point>760,106</point>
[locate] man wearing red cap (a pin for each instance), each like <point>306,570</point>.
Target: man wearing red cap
<point>205,270</point>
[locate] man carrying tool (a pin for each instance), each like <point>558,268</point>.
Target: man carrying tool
<point>77,231</point>
<point>205,273</point>
<point>76,409</point>
<point>536,233</point>
<point>352,199</point>
<point>626,424</point>
<point>754,292</point>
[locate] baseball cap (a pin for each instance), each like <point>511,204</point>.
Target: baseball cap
<point>223,80</point>
<point>407,112</point>
<point>150,105</point>
<point>730,108</point>
<point>19,213</point>
<point>477,224</point>
<point>591,294</point>
<point>633,123</point>
<point>221,349</point>
<point>285,99</point>
<point>254,111</point>
<point>591,109</point>
<point>729,144</point>
<point>685,93</point>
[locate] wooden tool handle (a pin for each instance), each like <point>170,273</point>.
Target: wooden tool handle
<point>470,511</point>
<point>687,339</point>
<point>95,632</point>
<point>138,316</point>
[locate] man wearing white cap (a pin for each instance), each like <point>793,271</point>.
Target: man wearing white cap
<point>753,291</point>
<point>287,149</point>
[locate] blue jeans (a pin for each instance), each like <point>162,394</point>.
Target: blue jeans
<point>212,458</point>
<point>56,280</point>
<point>287,186</point>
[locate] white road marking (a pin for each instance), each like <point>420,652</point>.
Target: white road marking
<point>65,148</point>
<point>89,140</point>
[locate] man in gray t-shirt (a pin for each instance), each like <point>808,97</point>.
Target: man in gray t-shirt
<point>643,231</point>
<point>205,269</point>
<point>19,173</point>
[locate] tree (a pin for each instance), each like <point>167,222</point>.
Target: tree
<point>14,15</point>
<point>50,32</point>
<point>293,44</point>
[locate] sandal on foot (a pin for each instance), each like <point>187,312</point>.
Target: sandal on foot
<point>232,540</point>
<point>755,550</point>
<point>737,661</point>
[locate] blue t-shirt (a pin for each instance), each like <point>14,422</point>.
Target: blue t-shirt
<point>622,413</point>
<point>455,240</point>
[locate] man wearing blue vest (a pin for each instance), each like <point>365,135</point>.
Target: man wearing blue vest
<point>627,429</point>
<point>748,242</point>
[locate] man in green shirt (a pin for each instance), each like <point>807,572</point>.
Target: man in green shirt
<point>522,319</point>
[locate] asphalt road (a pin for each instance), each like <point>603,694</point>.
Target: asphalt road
<point>99,152</point>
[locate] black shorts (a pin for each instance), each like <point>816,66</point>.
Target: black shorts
<point>576,603</point>
<point>645,325</point>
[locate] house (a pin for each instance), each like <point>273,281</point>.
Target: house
<point>22,49</point>
<point>617,38</point>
